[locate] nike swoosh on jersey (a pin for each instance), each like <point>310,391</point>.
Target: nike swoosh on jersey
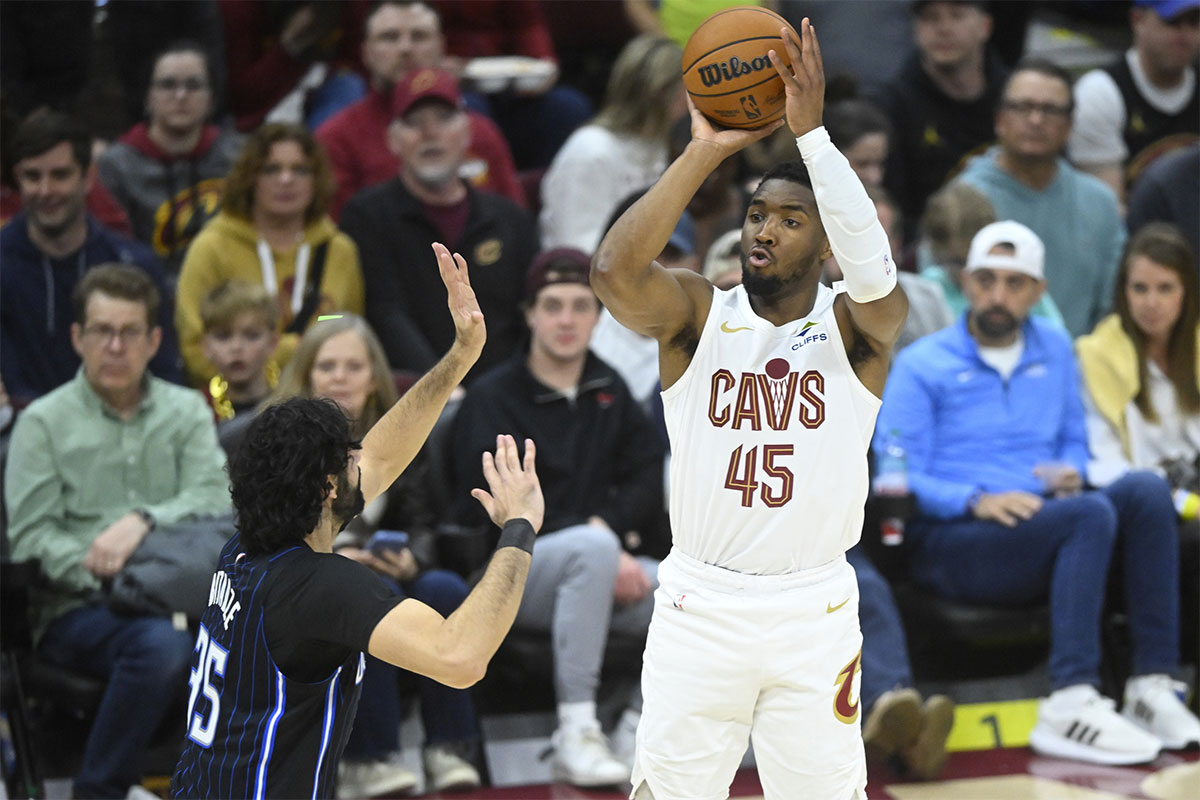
<point>830,608</point>
<point>725,327</point>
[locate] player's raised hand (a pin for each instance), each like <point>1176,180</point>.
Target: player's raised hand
<point>728,139</point>
<point>515,489</point>
<point>804,81</point>
<point>469,328</point>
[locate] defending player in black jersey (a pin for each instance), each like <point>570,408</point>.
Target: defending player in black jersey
<point>277,665</point>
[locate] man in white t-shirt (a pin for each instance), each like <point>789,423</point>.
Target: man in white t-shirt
<point>1147,103</point>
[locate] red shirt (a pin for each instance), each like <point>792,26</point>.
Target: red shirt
<point>356,140</point>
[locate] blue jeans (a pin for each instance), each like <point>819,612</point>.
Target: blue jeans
<point>447,714</point>
<point>1064,551</point>
<point>145,662</point>
<point>885,663</point>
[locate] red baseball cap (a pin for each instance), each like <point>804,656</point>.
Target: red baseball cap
<point>424,84</point>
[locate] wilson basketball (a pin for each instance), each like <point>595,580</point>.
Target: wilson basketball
<point>726,69</point>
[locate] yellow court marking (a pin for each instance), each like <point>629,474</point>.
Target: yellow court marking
<point>1025,787</point>
<point>986,726</point>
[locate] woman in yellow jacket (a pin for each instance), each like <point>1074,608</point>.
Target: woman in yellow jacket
<point>1141,374</point>
<point>273,230</point>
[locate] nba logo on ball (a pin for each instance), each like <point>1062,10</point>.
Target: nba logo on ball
<point>726,69</point>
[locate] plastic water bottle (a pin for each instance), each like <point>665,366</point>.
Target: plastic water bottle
<point>891,486</point>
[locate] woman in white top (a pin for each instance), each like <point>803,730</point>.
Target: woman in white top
<point>623,149</point>
<point>1141,375</point>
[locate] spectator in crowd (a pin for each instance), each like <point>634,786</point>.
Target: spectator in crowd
<point>719,205</point>
<point>273,231</point>
<point>990,414</point>
<point>168,171</point>
<point>241,331</point>
<point>723,263</point>
<point>291,60</point>
<point>1169,191</point>
<point>941,102</point>
<point>1028,180</point>
<point>863,133</point>
<point>393,224</point>
<point>341,359</point>
<point>953,215</point>
<point>620,151</point>
<point>93,468</point>
<point>1146,103</point>
<point>601,472</point>
<point>1142,394</point>
<point>403,35</point>
<point>137,29</point>
<point>47,248</point>
<point>536,116</point>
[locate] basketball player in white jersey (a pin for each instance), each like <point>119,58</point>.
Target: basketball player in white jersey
<point>770,392</point>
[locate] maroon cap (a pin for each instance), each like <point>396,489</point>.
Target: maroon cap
<point>424,84</point>
<point>560,265</point>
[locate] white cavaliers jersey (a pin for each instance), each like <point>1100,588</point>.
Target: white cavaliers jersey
<point>769,431</point>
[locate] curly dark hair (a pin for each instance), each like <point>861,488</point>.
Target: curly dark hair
<point>237,197</point>
<point>279,477</point>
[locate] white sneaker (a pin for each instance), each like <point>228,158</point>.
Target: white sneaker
<point>1153,703</point>
<point>582,758</point>
<point>1078,723</point>
<point>624,738</point>
<point>446,770</point>
<point>360,779</point>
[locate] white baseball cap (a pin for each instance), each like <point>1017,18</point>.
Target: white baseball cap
<point>1028,255</point>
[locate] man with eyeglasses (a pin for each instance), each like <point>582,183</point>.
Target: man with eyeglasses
<point>1147,103</point>
<point>168,171</point>
<point>93,468</point>
<point>47,248</point>
<point>1028,180</point>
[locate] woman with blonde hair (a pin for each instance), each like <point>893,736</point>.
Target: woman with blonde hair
<point>340,358</point>
<point>623,149</point>
<point>273,230</point>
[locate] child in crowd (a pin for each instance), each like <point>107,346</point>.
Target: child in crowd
<point>240,332</point>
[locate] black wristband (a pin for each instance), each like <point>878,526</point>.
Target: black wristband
<point>517,533</point>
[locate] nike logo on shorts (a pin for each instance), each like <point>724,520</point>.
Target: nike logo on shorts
<point>830,608</point>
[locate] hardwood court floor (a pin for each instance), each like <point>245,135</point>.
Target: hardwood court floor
<point>1008,774</point>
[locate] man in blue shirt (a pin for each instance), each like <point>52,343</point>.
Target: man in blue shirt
<point>990,414</point>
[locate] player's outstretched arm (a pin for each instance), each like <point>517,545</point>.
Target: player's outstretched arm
<point>393,442</point>
<point>456,650</point>
<point>877,305</point>
<point>638,291</point>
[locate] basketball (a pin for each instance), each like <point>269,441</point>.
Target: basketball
<point>726,69</point>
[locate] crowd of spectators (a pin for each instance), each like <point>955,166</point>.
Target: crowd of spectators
<point>259,227</point>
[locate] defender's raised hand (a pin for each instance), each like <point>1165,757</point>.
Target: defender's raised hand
<point>460,298</point>
<point>804,81</point>
<point>516,491</point>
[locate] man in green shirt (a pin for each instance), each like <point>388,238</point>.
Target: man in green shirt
<point>93,467</point>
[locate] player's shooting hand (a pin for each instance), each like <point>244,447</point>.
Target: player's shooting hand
<point>112,548</point>
<point>631,584</point>
<point>728,140</point>
<point>804,80</point>
<point>470,332</point>
<point>1007,508</point>
<point>515,489</point>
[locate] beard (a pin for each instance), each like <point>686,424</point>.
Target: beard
<point>349,502</point>
<point>995,322</point>
<point>767,287</point>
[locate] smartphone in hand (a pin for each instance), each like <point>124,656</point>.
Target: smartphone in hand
<point>382,540</point>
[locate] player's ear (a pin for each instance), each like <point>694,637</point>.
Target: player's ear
<point>826,251</point>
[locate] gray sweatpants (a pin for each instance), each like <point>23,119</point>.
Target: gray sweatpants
<point>569,594</point>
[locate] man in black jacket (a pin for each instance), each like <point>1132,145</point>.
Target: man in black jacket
<point>393,224</point>
<point>601,472</point>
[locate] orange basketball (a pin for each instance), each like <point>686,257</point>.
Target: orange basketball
<point>726,69</point>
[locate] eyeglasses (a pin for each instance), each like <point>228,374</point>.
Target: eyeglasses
<point>104,335</point>
<point>1026,108</point>
<point>172,85</point>
<point>277,170</point>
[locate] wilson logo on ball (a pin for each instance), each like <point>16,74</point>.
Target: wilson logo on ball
<point>713,74</point>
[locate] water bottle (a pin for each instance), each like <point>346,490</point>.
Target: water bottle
<point>891,485</point>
